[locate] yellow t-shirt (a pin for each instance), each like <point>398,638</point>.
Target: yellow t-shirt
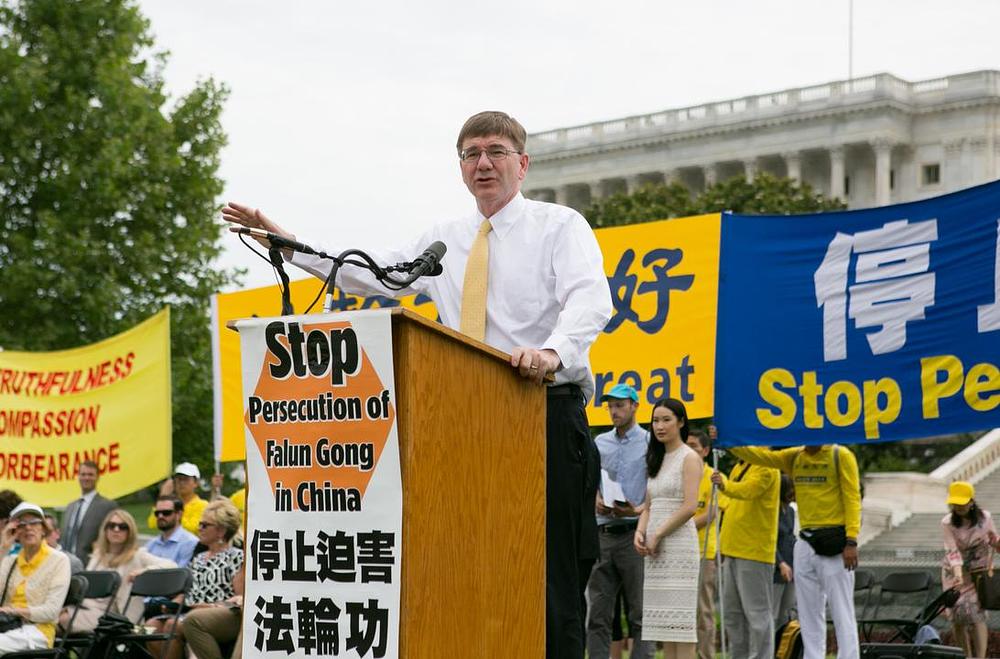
<point>704,498</point>
<point>824,498</point>
<point>750,525</point>
<point>19,597</point>
<point>189,520</point>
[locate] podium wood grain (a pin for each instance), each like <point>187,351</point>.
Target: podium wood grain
<point>472,453</point>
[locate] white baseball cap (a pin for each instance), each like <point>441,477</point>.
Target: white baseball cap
<point>187,469</point>
<point>25,508</point>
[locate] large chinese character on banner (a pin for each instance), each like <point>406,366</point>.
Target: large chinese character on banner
<point>861,326</point>
<point>325,497</point>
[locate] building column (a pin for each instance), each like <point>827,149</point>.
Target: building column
<point>883,165</point>
<point>837,173</point>
<point>750,169</point>
<point>562,195</point>
<point>793,165</point>
<point>711,173</point>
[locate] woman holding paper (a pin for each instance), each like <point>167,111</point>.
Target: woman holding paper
<point>666,534</point>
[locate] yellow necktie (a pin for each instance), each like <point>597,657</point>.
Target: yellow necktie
<point>474,287</point>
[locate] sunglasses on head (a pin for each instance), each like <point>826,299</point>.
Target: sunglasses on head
<point>116,526</point>
<point>164,513</point>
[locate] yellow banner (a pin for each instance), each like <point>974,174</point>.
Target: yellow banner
<point>108,402</point>
<point>664,280</point>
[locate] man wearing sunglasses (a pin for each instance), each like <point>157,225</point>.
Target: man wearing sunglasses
<point>174,542</point>
<point>526,277</point>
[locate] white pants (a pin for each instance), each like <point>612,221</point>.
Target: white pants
<point>822,580</point>
<point>25,637</point>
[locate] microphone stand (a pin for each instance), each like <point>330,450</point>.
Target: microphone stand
<point>278,263</point>
<point>382,275</point>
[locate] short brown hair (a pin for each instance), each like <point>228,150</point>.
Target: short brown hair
<point>492,122</point>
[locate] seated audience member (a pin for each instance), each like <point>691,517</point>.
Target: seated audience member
<point>36,581</point>
<point>185,487</point>
<point>117,548</point>
<point>217,587</point>
<point>174,541</point>
<point>52,539</point>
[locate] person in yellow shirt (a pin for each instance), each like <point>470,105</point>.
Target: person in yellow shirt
<point>828,494</point>
<point>185,481</point>
<point>749,537</point>
<point>705,522</point>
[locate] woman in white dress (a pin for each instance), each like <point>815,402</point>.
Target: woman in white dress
<point>666,534</point>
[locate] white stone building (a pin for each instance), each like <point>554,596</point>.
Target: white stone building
<point>869,141</point>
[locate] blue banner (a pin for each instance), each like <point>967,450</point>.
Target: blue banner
<point>860,326</point>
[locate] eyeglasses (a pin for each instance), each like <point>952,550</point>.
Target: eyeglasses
<point>116,526</point>
<point>494,153</point>
<point>164,513</point>
<point>204,525</point>
<point>28,522</point>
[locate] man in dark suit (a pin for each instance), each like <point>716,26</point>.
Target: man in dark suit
<point>82,521</point>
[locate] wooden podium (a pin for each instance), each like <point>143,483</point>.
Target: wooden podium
<point>472,463</point>
<point>472,453</point>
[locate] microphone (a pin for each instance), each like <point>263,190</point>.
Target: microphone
<point>278,241</point>
<point>428,263</point>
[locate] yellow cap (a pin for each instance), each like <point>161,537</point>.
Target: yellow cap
<point>960,493</point>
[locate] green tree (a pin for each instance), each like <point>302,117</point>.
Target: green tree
<point>766,194</point>
<point>108,196</point>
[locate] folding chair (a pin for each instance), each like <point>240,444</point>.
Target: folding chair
<point>77,591</point>
<point>864,586</point>
<point>100,583</point>
<point>157,583</point>
<point>905,594</point>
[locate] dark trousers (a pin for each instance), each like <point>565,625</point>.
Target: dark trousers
<point>571,538</point>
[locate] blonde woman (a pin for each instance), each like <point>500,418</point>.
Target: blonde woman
<point>117,549</point>
<point>216,593</point>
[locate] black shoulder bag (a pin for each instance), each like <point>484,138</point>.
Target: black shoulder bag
<point>9,621</point>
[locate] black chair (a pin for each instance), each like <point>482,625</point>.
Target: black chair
<point>74,596</point>
<point>156,583</point>
<point>864,587</point>
<point>100,583</point>
<point>902,597</point>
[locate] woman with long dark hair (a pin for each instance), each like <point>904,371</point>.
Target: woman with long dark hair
<point>666,534</point>
<point>969,541</point>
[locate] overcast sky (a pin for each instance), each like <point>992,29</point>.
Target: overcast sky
<point>342,116</point>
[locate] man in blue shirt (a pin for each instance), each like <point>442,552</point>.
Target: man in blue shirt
<point>174,542</point>
<point>623,457</point>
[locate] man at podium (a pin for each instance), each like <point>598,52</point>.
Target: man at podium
<point>525,277</point>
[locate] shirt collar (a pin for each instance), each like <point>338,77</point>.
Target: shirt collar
<point>89,496</point>
<point>503,220</point>
<point>40,555</point>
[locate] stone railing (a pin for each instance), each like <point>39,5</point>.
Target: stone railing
<point>882,85</point>
<point>974,463</point>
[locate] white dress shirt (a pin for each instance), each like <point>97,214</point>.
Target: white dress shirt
<point>547,287</point>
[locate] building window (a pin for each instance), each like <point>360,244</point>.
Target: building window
<point>892,179</point>
<point>930,174</point>
<point>847,186</point>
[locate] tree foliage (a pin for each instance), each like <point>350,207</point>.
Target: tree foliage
<point>108,196</point>
<point>766,194</point>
